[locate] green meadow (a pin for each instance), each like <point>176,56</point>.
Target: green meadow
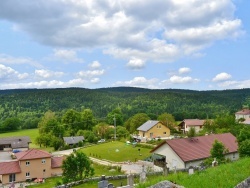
<point>223,176</point>
<point>117,151</point>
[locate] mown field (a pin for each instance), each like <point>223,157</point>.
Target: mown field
<point>117,151</point>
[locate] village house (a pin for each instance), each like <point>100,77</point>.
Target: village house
<point>152,129</point>
<point>186,152</point>
<point>187,124</point>
<point>73,140</point>
<point>14,143</point>
<point>30,165</point>
<point>244,113</point>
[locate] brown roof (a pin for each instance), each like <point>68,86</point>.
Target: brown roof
<point>9,167</point>
<point>243,112</point>
<point>16,142</point>
<point>56,162</point>
<point>32,154</point>
<point>191,149</point>
<point>194,122</point>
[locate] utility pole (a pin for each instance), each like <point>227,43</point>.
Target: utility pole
<point>115,127</point>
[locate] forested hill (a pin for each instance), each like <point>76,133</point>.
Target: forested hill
<point>30,103</point>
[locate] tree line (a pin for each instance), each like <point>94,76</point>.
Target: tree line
<point>29,105</point>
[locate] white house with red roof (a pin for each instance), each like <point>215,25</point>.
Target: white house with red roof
<point>185,152</point>
<point>187,124</point>
<point>30,165</point>
<point>244,113</point>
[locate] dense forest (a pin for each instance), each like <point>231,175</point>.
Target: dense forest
<point>31,104</point>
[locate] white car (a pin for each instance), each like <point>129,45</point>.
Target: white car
<point>101,141</point>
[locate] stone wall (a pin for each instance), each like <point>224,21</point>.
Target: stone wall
<point>244,184</point>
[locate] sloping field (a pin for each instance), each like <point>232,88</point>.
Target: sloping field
<point>117,151</point>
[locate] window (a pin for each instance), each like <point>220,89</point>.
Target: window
<point>159,126</point>
<point>27,174</point>
<point>43,161</point>
<point>12,177</point>
<point>27,163</point>
<point>164,132</point>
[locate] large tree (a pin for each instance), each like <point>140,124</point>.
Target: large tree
<point>218,151</point>
<point>76,167</point>
<point>136,121</point>
<point>71,121</point>
<point>115,117</point>
<point>87,120</point>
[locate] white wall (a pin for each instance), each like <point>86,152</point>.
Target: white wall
<point>171,157</point>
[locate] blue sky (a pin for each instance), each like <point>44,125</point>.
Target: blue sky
<point>157,44</point>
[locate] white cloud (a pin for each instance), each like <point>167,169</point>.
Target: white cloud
<point>90,73</point>
<point>95,65</point>
<point>183,80</point>
<point>221,77</point>
<point>9,60</point>
<point>66,55</point>
<point>44,84</point>
<point>95,80</point>
<point>126,28</point>
<point>136,64</point>
<point>139,82</point>
<point>184,70</point>
<point>7,74</point>
<point>47,73</point>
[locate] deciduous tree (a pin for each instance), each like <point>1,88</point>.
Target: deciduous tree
<point>76,167</point>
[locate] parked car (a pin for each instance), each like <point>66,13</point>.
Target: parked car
<point>101,141</point>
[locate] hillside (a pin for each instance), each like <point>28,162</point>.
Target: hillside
<point>27,103</point>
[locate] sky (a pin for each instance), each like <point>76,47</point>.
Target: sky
<point>155,44</point>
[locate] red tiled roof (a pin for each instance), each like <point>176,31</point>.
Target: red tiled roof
<point>9,167</point>
<point>32,154</point>
<point>243,112</point>
<point>193,122</point>
<point>56,162</point>
<point>190,149</point>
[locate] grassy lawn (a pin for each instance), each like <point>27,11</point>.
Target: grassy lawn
<point>32,133</point>
<point>223,176</point>
<point>117,151</point>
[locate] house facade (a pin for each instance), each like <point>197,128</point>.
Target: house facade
<point>11,143</point>
<point>185,152</point>
<point>29,165</point>
<point>187,124</point>
<point>153,129</point>
<point>244,113</point>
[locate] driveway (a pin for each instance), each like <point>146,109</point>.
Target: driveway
<point>5,156</point>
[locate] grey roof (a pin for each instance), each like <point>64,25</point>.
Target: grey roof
<point>73,139</point>
<point>16,142</point>
<point>148,125</point>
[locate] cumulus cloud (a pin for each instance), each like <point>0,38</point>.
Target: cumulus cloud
<point>66,55</point>
<point>139,82</point>
<point>125,28</point>
<point>184,70</point>
<point>136,64</point>
<point>7,74</point>
<point>183,80</point>
<point>42,73</point>
<point>44,84</point>
<point>222,77</point>
<point>95,65</point>
<point>90,73</point>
